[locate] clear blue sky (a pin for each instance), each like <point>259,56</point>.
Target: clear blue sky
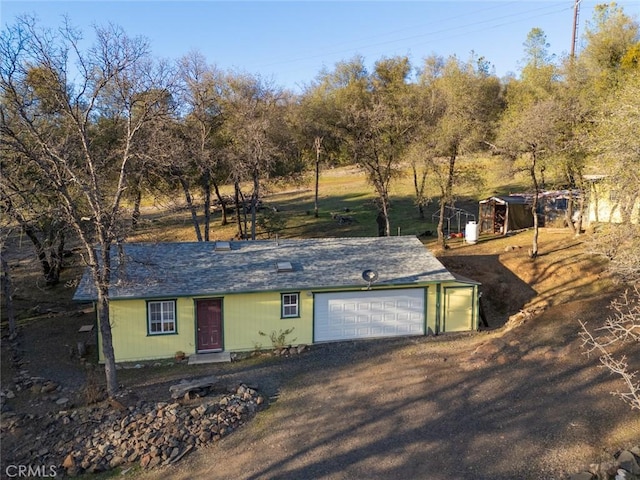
<point>289,42</point>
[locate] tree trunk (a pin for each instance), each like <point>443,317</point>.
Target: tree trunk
<point>447,195</point>
<point>8,292</point>
<point>580,212</point>
<point>536,228</point>
<point>192,208</point>
<point>534,206</point>
<point>568,216</point>
<point>385,213</point>
<point>222,202</point>
<point>137,201</point>
<point>419,189</point>
<point>107,343</point>
<point>416,189</point>
<point>237,195</point>
<point>442,240</point>
<point>40,251</point>
<point>206,188</point>
<point>103,275</point>
<point>56,256</point>
<point>255,195</point>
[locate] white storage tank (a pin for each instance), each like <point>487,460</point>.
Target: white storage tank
<point>471,232</point>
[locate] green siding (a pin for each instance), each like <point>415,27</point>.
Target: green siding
<point>245,315</point>
<point>459,308</point>
<point>451,306</point>
<point>131,341</point>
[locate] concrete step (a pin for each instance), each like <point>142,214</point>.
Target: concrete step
<point>216,357</point>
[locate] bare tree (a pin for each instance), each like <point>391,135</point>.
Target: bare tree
<point>251,106</point>
<point>114,81</point>
<point>201,92</point>
<point>621,327</point>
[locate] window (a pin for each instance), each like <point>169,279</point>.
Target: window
<point>290,305</point>
<point>161,317</point>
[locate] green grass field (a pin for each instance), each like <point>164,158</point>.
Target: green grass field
<point>343,191</point>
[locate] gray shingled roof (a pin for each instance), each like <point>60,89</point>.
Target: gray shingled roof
<point>154,270</point>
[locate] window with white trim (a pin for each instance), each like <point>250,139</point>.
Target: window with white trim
<point>290,305</point>
<point>161,317</point>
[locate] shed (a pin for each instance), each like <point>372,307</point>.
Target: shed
<point>503,214</point>
<point>196,298</point>
<point>608,203</point>
<point>553,206</point>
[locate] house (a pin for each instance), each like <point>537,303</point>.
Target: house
<point>606,204</point>
<point>206,297</point>
<point>503,214</point>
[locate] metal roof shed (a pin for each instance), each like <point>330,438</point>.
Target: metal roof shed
<point>504,214</point>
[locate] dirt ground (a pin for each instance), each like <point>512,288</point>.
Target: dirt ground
<point>519,400</point>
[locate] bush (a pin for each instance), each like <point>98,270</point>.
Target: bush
<point>279,339</point>
<point>94,388</point>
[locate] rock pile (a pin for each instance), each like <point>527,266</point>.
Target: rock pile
<point>624,466</point>
<point>149,434</point>
<point>42,389</point>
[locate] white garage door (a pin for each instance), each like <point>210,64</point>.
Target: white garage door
<point>369,314</point>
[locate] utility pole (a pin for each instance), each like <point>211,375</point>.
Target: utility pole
<point>574,35</point>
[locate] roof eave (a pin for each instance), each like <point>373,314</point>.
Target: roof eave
<point>323,288</point>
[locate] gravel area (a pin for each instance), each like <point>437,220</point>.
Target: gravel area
<point>518,403</point>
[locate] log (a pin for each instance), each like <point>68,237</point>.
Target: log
<point>186,386</point>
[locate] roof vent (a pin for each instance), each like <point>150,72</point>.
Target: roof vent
<point>222,247</point>
<point>284,267</point>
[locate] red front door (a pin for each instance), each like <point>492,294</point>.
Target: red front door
<point>209,324</point>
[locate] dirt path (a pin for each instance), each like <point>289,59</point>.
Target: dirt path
<point>492,406</point>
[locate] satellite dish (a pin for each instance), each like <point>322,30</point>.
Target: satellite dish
<point>370,276</point>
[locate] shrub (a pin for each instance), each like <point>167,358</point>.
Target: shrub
<point>279,338</point>
<point>94,388</point>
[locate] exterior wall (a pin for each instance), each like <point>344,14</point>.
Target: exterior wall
<point>131,341</point>
<point>448,314</point>
<point>244,315</point>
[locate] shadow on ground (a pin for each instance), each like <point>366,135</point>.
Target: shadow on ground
<point>434,408</point>
<point>503,292</point>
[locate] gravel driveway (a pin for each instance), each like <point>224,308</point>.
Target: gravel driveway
<point>521,403</point>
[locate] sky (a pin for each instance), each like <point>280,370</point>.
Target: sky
<point>290,42</point>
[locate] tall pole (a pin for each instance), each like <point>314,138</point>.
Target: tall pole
<point>574,34</point>
<point>317,142</point>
